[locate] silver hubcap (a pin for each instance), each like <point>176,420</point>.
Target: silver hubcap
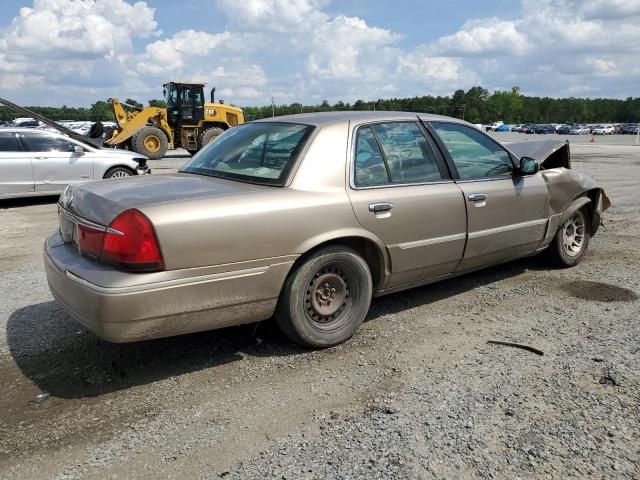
<point>120,174</point>
<point>573,235</point>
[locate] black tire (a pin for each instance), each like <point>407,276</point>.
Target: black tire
<point>96,130</point>
<point>325,299</point>
<point>150,142</point>
<point>119,172</point>
<point>192,152</point>
<point>209,135</point>
<point>108,133</point>
<point>564,253</point>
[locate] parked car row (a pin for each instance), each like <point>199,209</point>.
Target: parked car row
<point>573,129</point>
<point>81,127</point>
<point>630,129</point>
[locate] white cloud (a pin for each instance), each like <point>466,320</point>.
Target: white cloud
<point>347,48</point>
<point>173,54</point>
<point>75,52</point>
<point>63,44</point>
<point>427,68</point>
<point>604,67</point>
<point>557,47</point>
<point>284,16</point>
<point>609,9</point>
<point>62,27</point>
<point>491,35</point>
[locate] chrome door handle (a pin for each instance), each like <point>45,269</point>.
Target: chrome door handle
<point>477,197</point>
<point>380,207</point>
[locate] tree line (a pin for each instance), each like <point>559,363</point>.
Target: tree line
<point>476,105</point>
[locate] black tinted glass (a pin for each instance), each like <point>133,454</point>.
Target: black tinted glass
<point>8,143</point>
<point>46,143</point>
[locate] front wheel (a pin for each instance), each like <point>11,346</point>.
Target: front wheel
<point>571,241</point>
<point>325,299</point>
<point>209,135</point>
<point>118,172</point>
<point>151,142</point>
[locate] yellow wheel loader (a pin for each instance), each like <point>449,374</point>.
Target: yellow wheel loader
<point>187,121</point>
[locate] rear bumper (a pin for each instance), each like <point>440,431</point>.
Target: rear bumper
<point>130,311</point>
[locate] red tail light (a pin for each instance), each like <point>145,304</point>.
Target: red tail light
<point>131,243</point>
<point>90,240</point>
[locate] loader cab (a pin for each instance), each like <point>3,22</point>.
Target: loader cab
<point>185,103</point>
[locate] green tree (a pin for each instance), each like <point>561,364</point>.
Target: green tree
<point>133,103</point>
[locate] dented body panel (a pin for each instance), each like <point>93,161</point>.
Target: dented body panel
<point>548,153</point>
<point>229,245</point>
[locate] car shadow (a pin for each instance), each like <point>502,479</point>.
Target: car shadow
<point>28,201</point>
<point>431,293</point>
<point>65,360</point>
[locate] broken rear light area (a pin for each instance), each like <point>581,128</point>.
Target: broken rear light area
<point>130,243</point>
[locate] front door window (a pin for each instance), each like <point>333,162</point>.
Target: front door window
<point>474,155</point>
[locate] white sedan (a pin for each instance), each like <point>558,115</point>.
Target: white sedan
<point>603,130</point>
<point>39,162</point>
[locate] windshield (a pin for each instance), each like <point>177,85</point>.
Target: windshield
<point>255,152</point>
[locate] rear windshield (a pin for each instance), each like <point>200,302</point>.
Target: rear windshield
<point>261,153</point>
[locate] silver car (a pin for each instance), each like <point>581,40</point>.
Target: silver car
<point>39,162</point>
<point>305,218</point>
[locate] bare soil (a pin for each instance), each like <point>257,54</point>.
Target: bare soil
<point>417,393</point>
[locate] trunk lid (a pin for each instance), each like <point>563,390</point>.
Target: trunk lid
<point>100,202</point>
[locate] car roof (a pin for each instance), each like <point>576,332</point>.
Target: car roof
<point>320,119</point>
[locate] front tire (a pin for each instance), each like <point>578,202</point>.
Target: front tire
<point>326,298</point>
<point>151,142</point>
<point>209,135</point>
<point>571,241</point>
<point>118,172</point>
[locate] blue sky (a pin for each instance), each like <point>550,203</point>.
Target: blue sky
<point>75,52</point>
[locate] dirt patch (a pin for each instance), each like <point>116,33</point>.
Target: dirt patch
<point>599,292</point>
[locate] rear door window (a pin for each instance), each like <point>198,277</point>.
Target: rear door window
<point>370,168</point>
<point>394,153</point>
<point>9,142</point>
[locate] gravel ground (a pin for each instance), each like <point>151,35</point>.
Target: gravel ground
<point>417,393</point>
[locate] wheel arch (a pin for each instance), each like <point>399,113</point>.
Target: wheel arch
<point>599,202</point>
<point>113,167</point>
<point>591,200</point>
<point>369,247</point>
<point>207,125</point>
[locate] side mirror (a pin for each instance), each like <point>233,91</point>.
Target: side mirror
<point>528,166</point>
<point>78,149</point>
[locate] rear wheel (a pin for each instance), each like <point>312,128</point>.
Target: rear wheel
<point>118,172</point>
<point>151,142</point>
<point>571,241</point>
<point>325,299</point>
<point>209,135</point>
